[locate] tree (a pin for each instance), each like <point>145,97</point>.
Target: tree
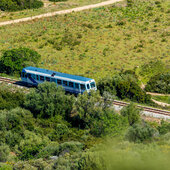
<point>132,113</point>
<point>95,113</point>
<point>49,100</point>
<point>13,61</point>
<point>124,85</point>
<point>159,83</point>
<point>141,132</point>
<point>15,5</point>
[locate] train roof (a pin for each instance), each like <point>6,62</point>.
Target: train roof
<point>54,73</point>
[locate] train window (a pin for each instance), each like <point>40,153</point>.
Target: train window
<point>41,78</point>
<point>92,84</point>
<point>88,87</point>
<point>65,83</point>
<point>47,79</point>
<point>29,75</point>
<point>70,84</point>
<point>37,77</point>
<point>22,74</point>
<point>82,86</point>
<point>33,76</point>
<point>58,81</point>
<point>53,80</point>
<point>76,85</point>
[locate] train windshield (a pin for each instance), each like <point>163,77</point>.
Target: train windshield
<point>92,85</point>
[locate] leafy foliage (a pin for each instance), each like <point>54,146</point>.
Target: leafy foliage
<point>159,83</point>
<point>49,100</point>
<point>124,86</point>
<point>13,61</point>
<point>4,152</point>
<point>15,5</point>
<point>132,113</point>
<point>93,112</point>
<point>10,99</point>
<point>31,144</point>
<point>164,127</point>
<point>141,132</point>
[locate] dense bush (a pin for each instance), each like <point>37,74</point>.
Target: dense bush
<point>92,112</point>
<point>31,145</point>
<point>164,127</point>
<point>124,86</point>
<point>159,83</point>
<point>16,119</point>
<point>132,113</point>
<point>49,100</point>
<point>4,152</point>
<point>13,61</point>
<point>141,132</point>
<point>10,99</point>
<point>15,5</point>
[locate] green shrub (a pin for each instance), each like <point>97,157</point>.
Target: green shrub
<point>125,85</point>
<point>141,133</point>
<point>164,127</point>
<point>10,99</point>
<point>159,83</point>
<point>31,145</point>
<point>60,131</point>
<point>49,100</point>
<point>94,113</point>
<point>68,147</point>
<point>13,61</point>
<point>16,119</point>
<point>50,150</point>
<point>15,5</point>
<point>132,113</point>
<point>4,152</point>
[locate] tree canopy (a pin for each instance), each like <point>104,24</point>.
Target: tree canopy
<point>13,61</point>
<point>15,5</point>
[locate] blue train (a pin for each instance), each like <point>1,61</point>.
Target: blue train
<point>71,83</point>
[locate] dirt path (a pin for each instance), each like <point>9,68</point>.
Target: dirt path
<point>161,103</point>
<point>157,94</point>
<point>60,12</point>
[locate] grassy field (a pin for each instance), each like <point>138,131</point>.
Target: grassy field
<point>165,99</point>
<point>98,42</point>
<point>48,7</point>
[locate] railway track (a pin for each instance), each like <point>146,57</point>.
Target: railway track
<point>148,109</point>
<point>7,80</point>
<point>15,82</point>
<point>115,102</point>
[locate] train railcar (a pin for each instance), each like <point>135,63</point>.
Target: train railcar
<point>71,83</point>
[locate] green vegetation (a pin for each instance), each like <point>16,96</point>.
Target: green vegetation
<point>15,5</point>
<point>93,48</point>
<point>46,129</point>
<point>10,98</point>
<point>132,113</point>
<point>165,99</point>
<point>125,85</point>
<point>159,83</point>
<point>13,61</point>
<point>49,6</point>
<point>65,132</point>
